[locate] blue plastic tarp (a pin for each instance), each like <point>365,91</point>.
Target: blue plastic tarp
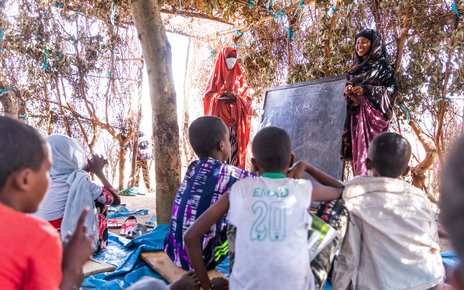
<point>125,255</point>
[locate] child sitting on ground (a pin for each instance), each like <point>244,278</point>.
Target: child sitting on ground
<point>206,180</point>
<point>452,207</point>
<point>272,220</point>
<point>71,190</point>
<point>391,241</point>
<point>31,255</point>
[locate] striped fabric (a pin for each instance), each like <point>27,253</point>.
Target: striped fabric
<point>205,182</point>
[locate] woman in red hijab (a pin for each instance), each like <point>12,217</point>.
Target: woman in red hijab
<point>227,97</point>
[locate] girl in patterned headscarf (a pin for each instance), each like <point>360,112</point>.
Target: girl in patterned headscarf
<point>227,97</point>
<point>370,95</point>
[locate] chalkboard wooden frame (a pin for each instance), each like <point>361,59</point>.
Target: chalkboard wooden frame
<point>329,162</point>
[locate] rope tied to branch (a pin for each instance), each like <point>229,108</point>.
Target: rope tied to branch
<point>299,10</point>
<point>268,4</point>
<point>278,15</point>
<point>290,33</point>
<point>5,90</point>
<point>445,98</point>
<point>113,12</point>
<point>45,64</point>
<point>25,117</point>
<point>1,38</point>
<point>124,146</point>
<point>332,11</point>
<point>406,111</point>
<point>454,7</point>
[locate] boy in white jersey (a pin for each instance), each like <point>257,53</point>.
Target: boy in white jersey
<point>272,220</point>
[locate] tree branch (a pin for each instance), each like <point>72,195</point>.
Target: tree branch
<point>443,103</point>
<point>403,36</point>
<point>333,19</point>
<point>418,172</point>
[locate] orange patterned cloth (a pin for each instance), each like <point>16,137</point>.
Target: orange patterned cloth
<point>237,113</point>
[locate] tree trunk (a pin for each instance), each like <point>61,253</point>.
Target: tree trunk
<point>418,172</point>
<point>132,177</point>
<point>443,106</point>
<point>122,163</point>
<point>403,36</point>
<point>136,128</point>
<point>337,5</point>
<point>157,54</point>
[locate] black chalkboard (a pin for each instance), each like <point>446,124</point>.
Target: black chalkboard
<point>313,114</point>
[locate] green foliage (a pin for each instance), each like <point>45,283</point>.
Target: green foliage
<point>425,54</point>
<point>282,43</point>
<point>69,66</point>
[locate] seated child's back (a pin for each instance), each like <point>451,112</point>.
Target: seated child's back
<point>272,220</point>
<point>206,180</point>
<point>391,241</point>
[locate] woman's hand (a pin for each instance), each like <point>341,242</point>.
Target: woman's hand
<point>348,91</point>
<point>96,164</point>
<point>355,99</point>
<point>231,97</point>
<point>358,90</point>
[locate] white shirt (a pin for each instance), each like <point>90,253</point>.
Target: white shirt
<point>391,241</point>
<point>272,230</point>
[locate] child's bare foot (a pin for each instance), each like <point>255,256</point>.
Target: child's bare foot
<point>186,282</point>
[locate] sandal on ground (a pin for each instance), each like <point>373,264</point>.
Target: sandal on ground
<point>141,212</point>
<point>128,213</point>
<point>118,208</point>
<point>151,222</point>
<point>136,232</point>
<point>128,192</point>
<point>129,224</point>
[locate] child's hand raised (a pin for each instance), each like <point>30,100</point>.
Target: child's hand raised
<point>297,171</point>
<point>96,163</point>
<point>76,252</point>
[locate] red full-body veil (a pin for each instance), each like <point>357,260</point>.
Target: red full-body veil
<point>236,113</point>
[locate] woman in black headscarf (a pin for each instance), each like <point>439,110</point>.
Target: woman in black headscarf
<point>370,95</point>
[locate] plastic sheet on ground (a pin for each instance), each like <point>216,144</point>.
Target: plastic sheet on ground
<point>125,256</point>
